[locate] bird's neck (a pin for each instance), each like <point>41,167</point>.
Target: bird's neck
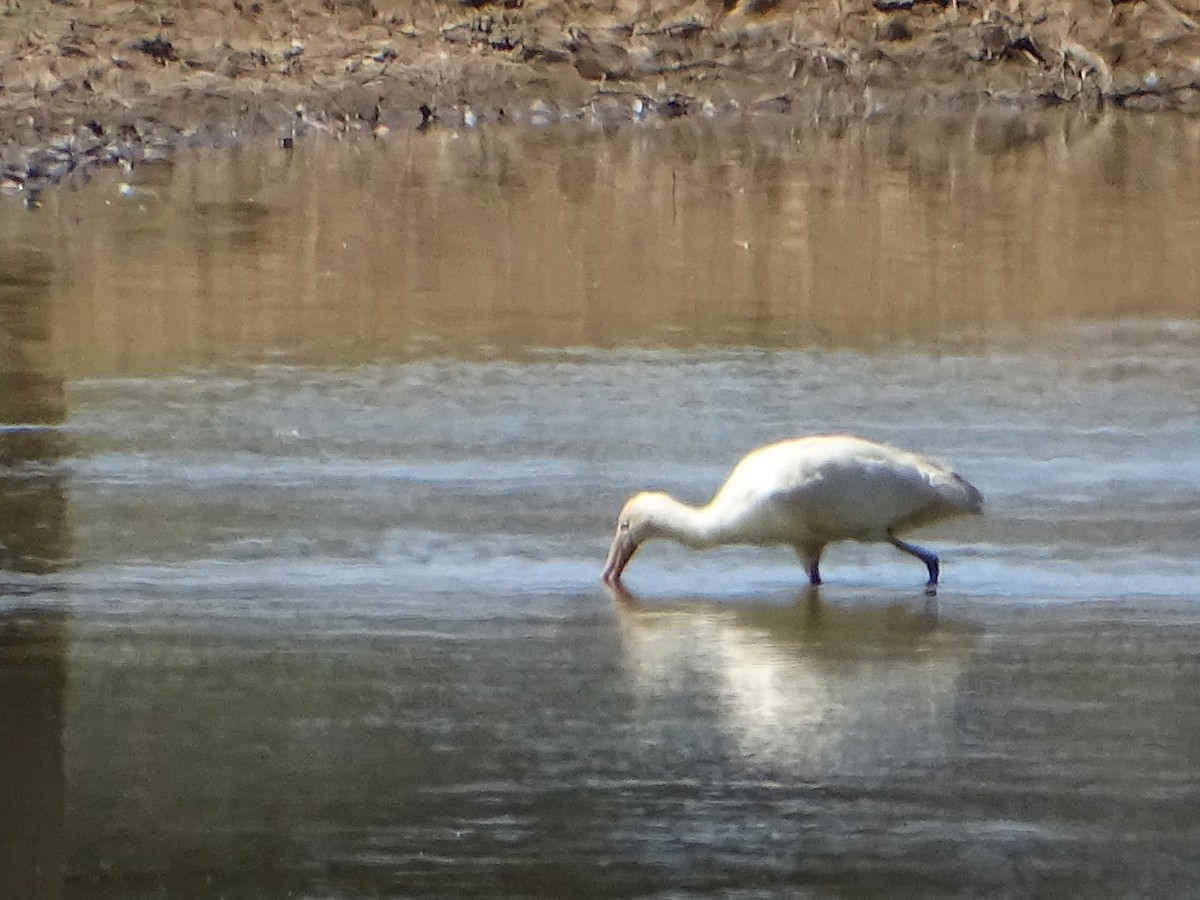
<point>693,526</point>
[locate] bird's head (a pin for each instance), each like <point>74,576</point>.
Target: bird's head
<point>638,522</point>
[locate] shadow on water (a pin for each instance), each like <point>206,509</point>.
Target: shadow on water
<point>33,644</point>
<point>34,539</point>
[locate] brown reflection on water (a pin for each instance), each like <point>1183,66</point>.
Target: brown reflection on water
<point>31,378</point>
<point>33,507</point>
<point>933,233</point>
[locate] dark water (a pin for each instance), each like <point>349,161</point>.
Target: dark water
<point>299,591</point>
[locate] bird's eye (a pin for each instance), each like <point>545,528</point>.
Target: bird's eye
<point>624,525</point>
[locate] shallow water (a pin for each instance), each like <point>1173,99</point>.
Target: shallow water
<point>313,463</point>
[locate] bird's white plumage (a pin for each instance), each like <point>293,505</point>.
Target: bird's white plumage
<point>836,487</point>
<point>806,492</point>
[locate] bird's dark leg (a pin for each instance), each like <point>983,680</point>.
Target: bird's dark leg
<point>811,557</point>
<point>926,556</point>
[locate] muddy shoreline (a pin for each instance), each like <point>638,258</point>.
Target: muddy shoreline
<point>86,83</point>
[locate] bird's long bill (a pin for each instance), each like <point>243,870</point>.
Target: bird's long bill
<point>622,550</point>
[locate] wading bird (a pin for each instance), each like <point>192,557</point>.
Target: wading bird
<point>805,493</point>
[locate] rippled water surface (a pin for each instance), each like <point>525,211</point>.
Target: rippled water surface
<point>311,461</point>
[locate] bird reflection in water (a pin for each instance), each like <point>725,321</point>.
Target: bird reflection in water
<point>814,689</point>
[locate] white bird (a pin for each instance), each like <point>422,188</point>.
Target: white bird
<point>805,493</point>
